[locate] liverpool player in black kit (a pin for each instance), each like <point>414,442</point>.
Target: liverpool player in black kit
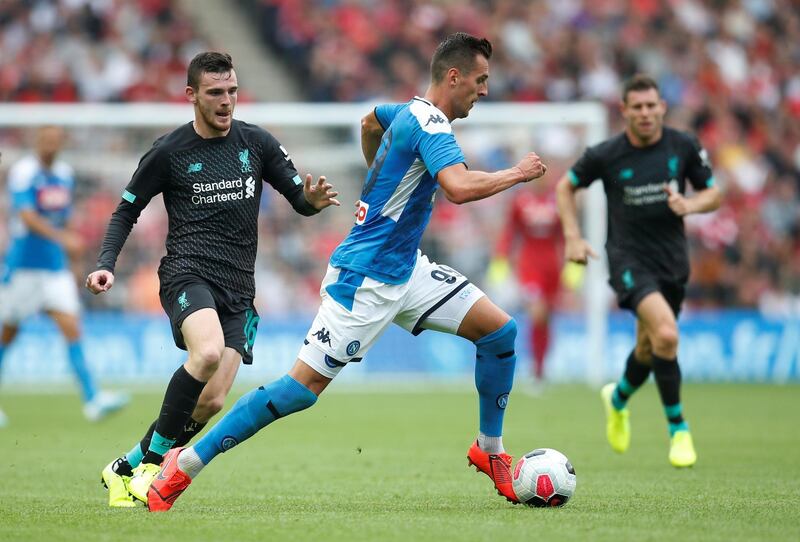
<point>644,172</point>
<point>210,173</point>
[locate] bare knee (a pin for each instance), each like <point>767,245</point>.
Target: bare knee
<point>665,340</point>
<point>206,358</point>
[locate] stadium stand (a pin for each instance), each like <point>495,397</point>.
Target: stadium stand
<point>728,70</point>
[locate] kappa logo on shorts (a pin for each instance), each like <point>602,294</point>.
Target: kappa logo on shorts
<point>353,347</point>
<point>502,401</point>
<point>183,302</point>
<point>323,336</point>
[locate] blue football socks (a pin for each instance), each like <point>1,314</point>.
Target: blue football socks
<point>253,411</point>
<point>78,364</point>
<point>494,376</point>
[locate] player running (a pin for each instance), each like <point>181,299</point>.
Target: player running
<point>210,172</point>
<point>378,276</point>
<point>36,276</point>
<point>644,172</point>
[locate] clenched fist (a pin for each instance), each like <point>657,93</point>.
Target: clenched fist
<point>531,167</point>
<point>100,281</point>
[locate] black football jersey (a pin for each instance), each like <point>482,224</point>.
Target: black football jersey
<point>212,192</point>
<point>640,223</point>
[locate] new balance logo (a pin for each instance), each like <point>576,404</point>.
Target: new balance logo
<point>194,168</point>
<point>323,336</point>
<point>436,119</point>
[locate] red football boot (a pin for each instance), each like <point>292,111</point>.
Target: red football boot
<point>168,485</point>
<point>495,466</point>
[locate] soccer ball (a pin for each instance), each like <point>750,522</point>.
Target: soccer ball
<point>544,477</point>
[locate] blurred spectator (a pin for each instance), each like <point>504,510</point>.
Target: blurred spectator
<point>729,69</point>
<point>94,50</point>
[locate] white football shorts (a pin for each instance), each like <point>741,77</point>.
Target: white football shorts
<point>356,310</point>
<point>30,291</point>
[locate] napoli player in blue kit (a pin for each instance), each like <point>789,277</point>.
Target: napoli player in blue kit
<point>35,275</point>
<point>377,275</point>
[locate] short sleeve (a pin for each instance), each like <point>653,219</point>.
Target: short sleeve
<point>586,170</point>
<point>698,166</point>
<point>385,113</point>
<point>432,138</point>
<point>439,151</point>
<point>20,184</point>
<point>149,178</point>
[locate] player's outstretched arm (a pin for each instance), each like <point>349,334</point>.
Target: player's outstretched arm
<point>320,194</point>
<point>703,201</point>
<point>461,185</point>
<point>371,134</point>
<point>99,281</point>
<point>576,249</point>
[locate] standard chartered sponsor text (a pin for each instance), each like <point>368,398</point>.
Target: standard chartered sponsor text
<point>645,194</point>
<point>217,186</point>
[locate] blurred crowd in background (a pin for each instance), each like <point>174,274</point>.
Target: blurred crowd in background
<point>729,70</point>
<point>95,50</point>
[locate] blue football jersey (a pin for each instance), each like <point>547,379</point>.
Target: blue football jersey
<point>49,193</point>
<point>398,193</point>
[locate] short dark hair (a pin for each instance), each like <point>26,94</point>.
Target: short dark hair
<point>209,61</point>
<point>458,51</point>
<point>638,82</point>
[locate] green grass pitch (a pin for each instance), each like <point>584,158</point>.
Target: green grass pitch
<point>392,466</point>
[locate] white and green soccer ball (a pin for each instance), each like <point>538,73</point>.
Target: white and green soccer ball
<point>544,477</point>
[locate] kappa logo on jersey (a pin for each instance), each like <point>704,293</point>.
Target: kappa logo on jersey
<point>323,336</point>
<point>250,189</point>
<point>244,158</point>
<point>436,119</point>
<point>194,168</point>
<point>361,213</point>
